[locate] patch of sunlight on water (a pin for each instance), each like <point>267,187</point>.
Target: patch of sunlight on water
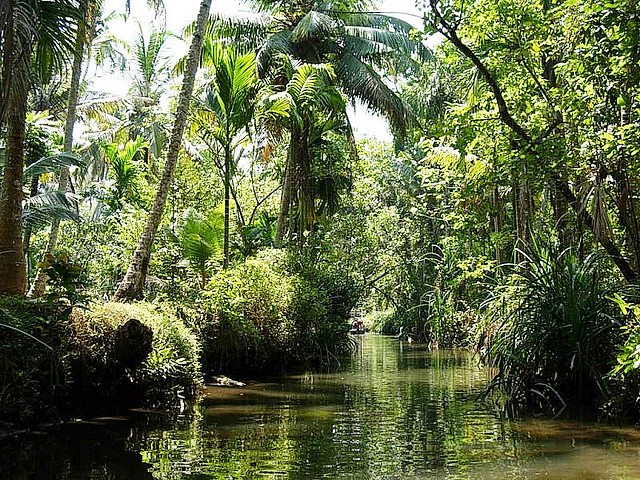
<point>392,411</point>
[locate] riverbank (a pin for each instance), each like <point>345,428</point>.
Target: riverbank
<point>392,410</point>
<point>260,316</point>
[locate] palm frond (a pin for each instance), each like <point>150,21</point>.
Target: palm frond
<point>309,82</point>
<point>200,239</point>
<point>55,36</point>
<point>53,163</point>
<point>369,42</point>
<point>152,67</point>
<point>277,44</point>
<point>314,25</point>
<point>40,210</point>
<point>362,81</point>
<point>227,102</point>
<point>245,34</point>
<point>17,27</point>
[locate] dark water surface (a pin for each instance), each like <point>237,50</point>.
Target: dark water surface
<point>393,411</point>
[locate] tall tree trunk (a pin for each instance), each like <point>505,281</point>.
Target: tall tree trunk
<point>561,216</point>
<point>498,222</point>
<point>15,85</point>
<point>609,246</point>
<point>306,208</point>
<point>626,199</point>
<point>287,187</point>
<point>40,282</point>
<point>13,275</point>
<point>227,195</point>
<point>26,239</point>
<point>522,214</point>
<point>133,282</point>
<point>627,215</point>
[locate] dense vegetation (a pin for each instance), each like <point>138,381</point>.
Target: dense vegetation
<point>241,223</point>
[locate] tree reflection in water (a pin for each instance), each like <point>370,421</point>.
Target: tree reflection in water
<point>392,411</point>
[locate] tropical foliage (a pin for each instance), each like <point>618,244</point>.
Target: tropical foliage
<point>503,216</point>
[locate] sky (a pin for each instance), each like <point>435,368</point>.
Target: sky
<point>179,13</point>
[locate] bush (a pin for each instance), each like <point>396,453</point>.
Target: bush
<point>381,321</point>
<point>552,333</point>
<point>261,315</point>
<point>625,376</point>
<point>54,359</point>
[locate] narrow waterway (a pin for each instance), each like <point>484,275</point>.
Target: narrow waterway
<point>393,411</point>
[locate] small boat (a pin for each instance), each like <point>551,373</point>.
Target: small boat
<point>357,331</point>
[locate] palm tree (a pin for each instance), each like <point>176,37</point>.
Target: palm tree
<point>124,171</point>
<point>199,240</point>
<point>226,110</point>
<point>88,10</point>
<point>310,94</point>
<point>47,29</point>
<point>360,46</point>
<point>133,282</point>
<point>152,73</point>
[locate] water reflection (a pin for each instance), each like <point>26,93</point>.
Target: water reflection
<point>393,411</point>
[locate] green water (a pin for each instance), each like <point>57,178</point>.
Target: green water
<point>393,411</point>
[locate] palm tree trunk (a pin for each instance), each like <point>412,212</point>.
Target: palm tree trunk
<point>523,209</point>
<point>227,188</point>
<point>40,282</point>
<point>133,281</point>
<point>13,277</point>
<point>287,183</point>
<point>306,208</point>
<point>498,221</point>
<point>26,239</point>
<point>561,216</point>
<point>15,85</point>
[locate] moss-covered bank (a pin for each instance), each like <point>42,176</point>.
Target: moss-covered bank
<point>260,316</point>
<point>57,360</point>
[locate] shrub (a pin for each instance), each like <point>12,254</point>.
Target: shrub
<point>261,315</point>
<point>625,376</point>
<point>552,332</point>
<point>381,321</point>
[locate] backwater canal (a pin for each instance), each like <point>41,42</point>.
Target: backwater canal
<point>392,411</point>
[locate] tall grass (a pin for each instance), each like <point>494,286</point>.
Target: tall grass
<point>552,330</point>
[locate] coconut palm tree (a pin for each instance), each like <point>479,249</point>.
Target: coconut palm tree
<point>361,46</point>
<point>151,76</point>
<point>309,95</point>
<point>44,29</point>
<point>225,111</point>
<point>88,11</point>
<point>133,282</point>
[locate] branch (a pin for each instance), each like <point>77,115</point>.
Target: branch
<point>450,32</point>
<point>535,78</point>
<point>585,217</point>
<point>264,199</point>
